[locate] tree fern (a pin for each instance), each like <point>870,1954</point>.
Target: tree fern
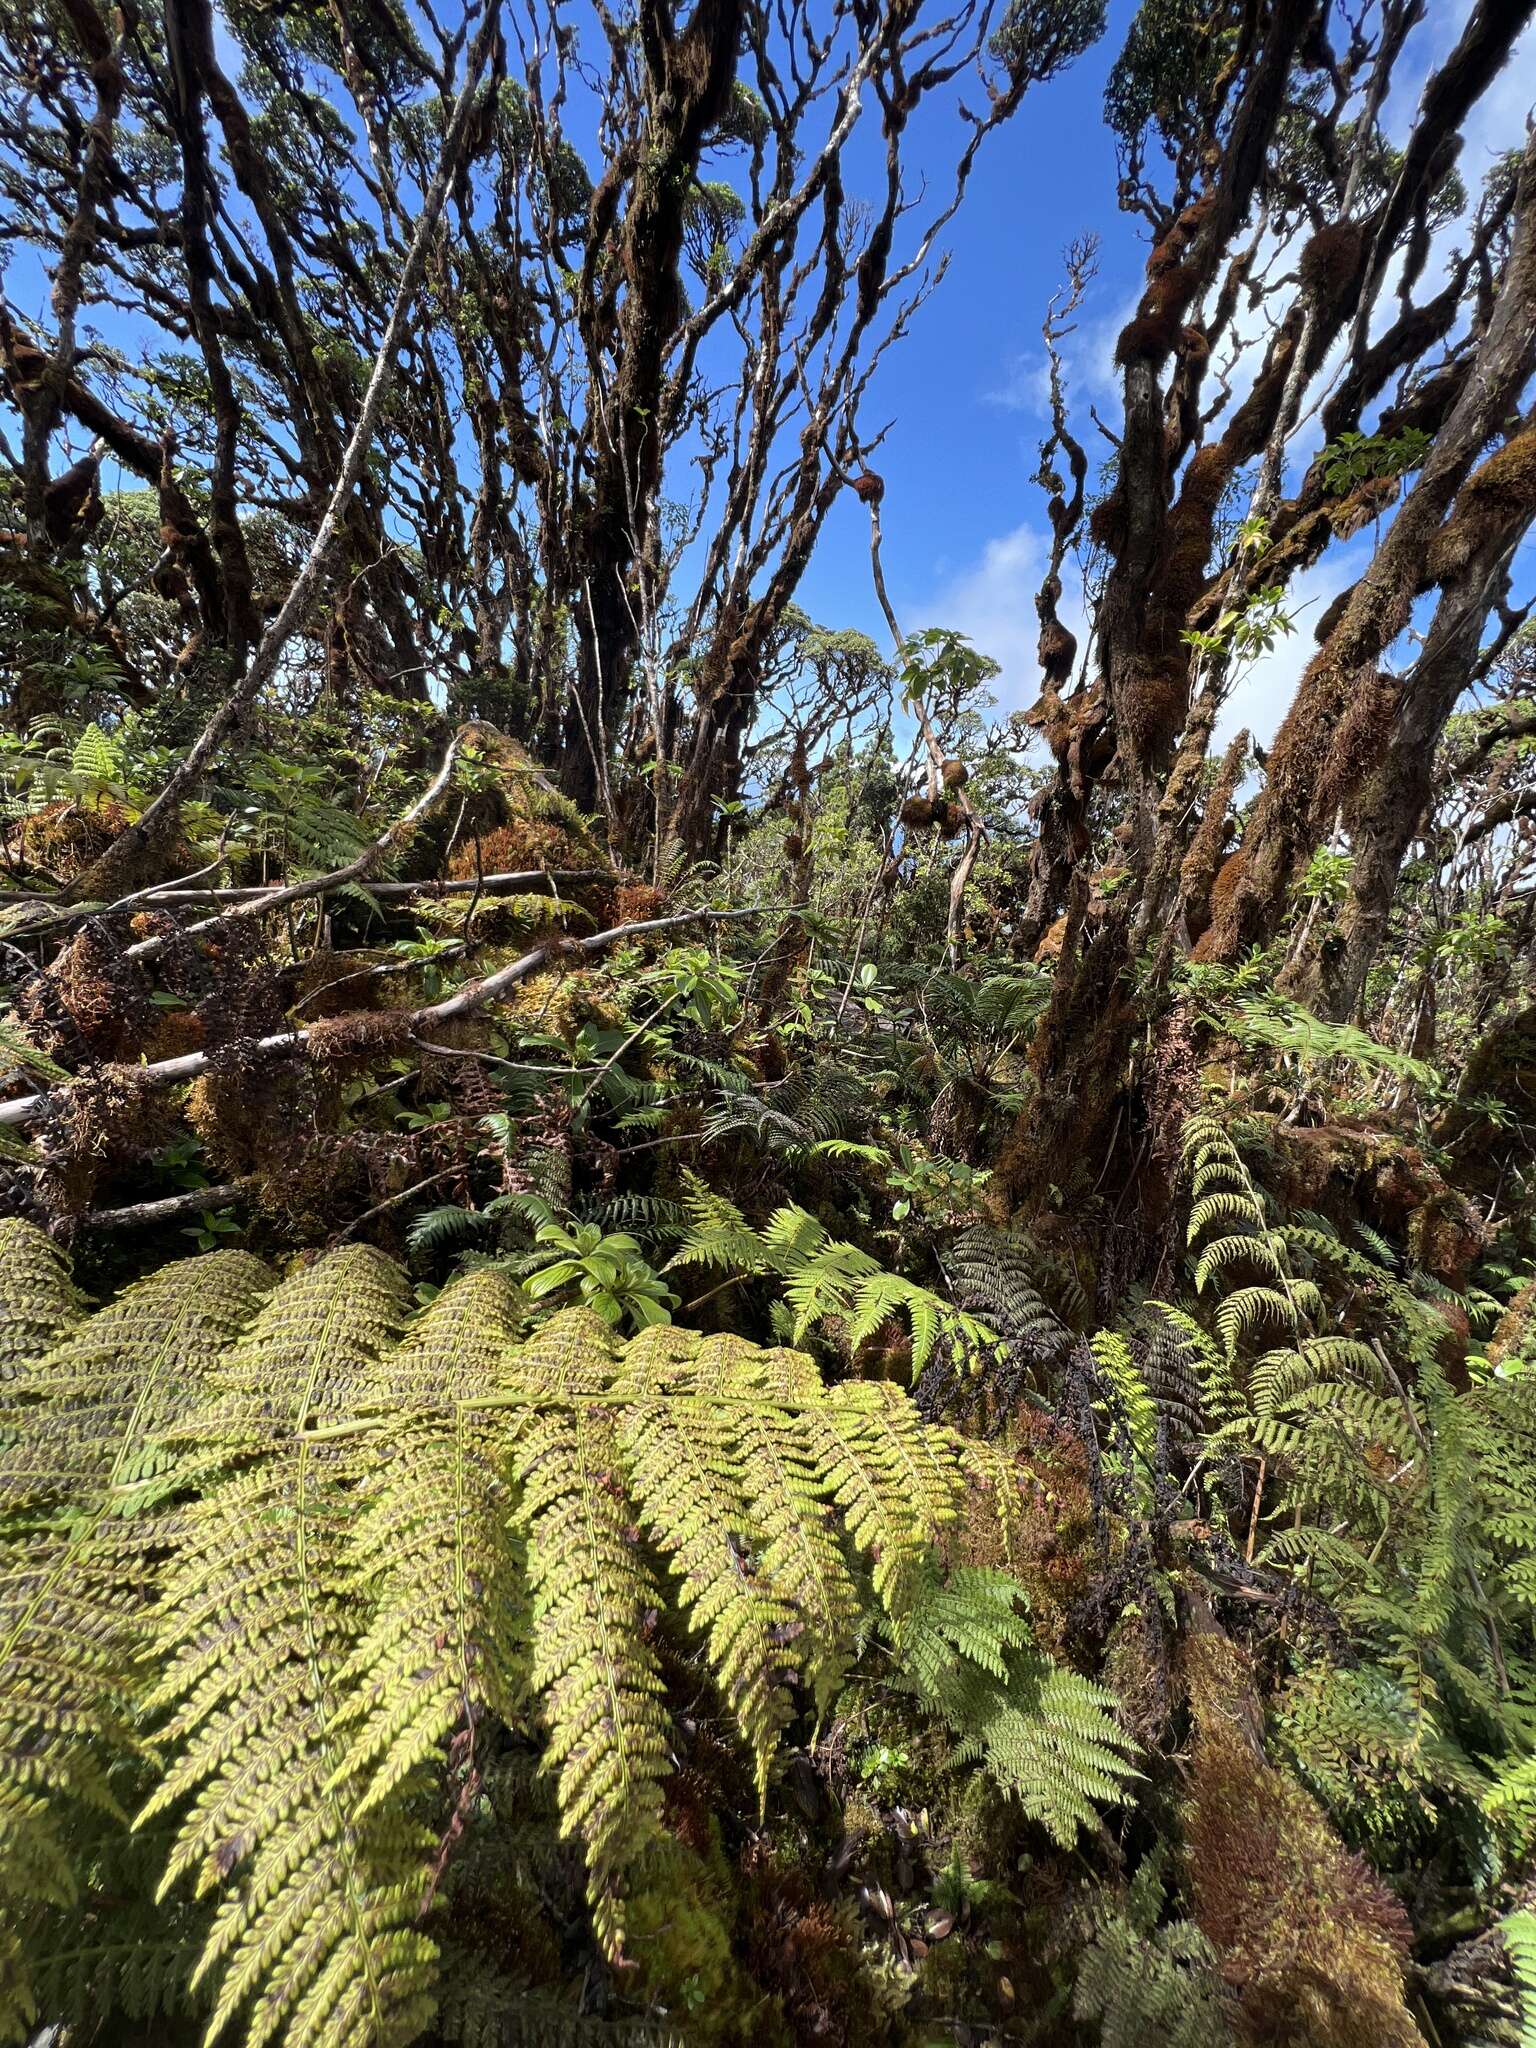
<point>279,1561</point>
<point>314,1935</point>
<point>826,1281</point>
<point>38,1301</point>
<point>77,1430</point>
<point>1046,1735</point>
<point>1519,1933</point>
<point>693,1504</point>
<point>598,1674</point>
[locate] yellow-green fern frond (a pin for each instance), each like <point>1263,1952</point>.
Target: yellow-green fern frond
<point>693,1507</point>
<point>1519,1934</point>
<point>454,1348</point>
<point>897,1480</point>
<point>575,1353</point>
<point>800,1552</point>
<point>80,1450</point>
<point>591,1661</point>
<point>1130,1399</point>
<point>94,1410</point>
<point>431,1556</point>
<point>314,1937</point>
<point>433,1560</point>
<point>317,1351</point>
<point>38,1300</point>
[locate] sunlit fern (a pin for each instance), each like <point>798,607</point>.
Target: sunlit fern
<point>279,1557</point>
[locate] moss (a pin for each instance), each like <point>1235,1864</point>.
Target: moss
<point>1045,1533</point>
<point>1330,263</point>
<point>561,1004</point>
<point>1057,651</point>
<point>1152,701</point>
<point>1312,1945</point>
<point>678,1940</point>
<point>1150,337</point>
<point>105,996</point>
<point>1348,1170</point>
<point>1502,491</point>
<point>1106,523</point>
<point>1512,1336</point>
<point>357,1035</point>
<point>1052,942</point>
<point>806,1953</point>
<point>1365,504</point>
<point>65,838</point>
<point>1358,744</point>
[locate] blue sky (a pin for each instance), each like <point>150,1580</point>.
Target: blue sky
<point>964,528</point>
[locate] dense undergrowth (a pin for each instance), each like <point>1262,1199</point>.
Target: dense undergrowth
<point>697,1343</point>
<point>687,1562</point>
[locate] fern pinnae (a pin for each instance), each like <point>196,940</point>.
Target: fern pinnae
<point>591,1661</point>
<point>74,1567</point>
<point>315,1933</point>
<point>315,1929</point>
<point>314,1352</point>
<point>897,1484</point>
<point>697,1516</point>
<point>39,1303</point>
<point>801,1554</point>
<point>93,1411</point>
<point>432,1533</point>
<point>454,1348</point>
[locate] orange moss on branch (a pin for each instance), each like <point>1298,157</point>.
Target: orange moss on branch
<point>1312,1944</point>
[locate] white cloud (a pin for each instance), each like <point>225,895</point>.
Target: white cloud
<point>992,601</point>
<point>1024,386</point>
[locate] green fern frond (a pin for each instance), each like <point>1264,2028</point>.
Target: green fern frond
<point>38,1300</point>
<point>314,1936</point>
<point>1045,1735</point>
<point>280,1567</point>
<point>897,1481</point>
<point>1249,1309</point>
<point>591,1662</point>
<point>1128,1394</point>
<point>800,1555</point>
<point>96,755</point>
<point>1519,1933</point>
<point>311,1354</point>
<point>434,1562</point>
<point>687,1486</point>
<point>79,1430</point>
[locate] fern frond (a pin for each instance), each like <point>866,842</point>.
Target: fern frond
<point>432,1557</point>
<point>897,1481</point>
<point>315,1932</point>
<point>1248,1309</point>
<point>1519,1934</point>
<point>690,1499</point>
<point>1128,1394</point>
<point>591,1661</point>
<point>38,1300</point>
<point>78,1431</point>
